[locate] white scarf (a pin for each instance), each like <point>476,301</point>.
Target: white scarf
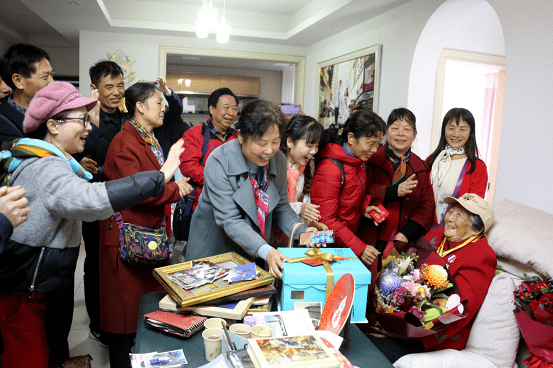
<point>441,165</point>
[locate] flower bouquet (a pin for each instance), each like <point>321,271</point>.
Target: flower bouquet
<point>414,295</point>
<point>534,314</point>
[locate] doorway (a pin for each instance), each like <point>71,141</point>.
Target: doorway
<point>476,82</point>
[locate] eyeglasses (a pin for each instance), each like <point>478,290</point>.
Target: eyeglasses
<point>85,120</point>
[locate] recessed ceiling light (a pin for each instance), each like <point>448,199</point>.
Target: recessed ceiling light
<point>75,3</point>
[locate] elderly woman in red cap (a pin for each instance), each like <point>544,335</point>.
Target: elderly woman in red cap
<point>39,261</point>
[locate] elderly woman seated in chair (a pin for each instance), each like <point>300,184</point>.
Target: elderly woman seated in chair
<point>470,261</point>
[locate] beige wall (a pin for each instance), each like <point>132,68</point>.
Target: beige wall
<point>270,82</point>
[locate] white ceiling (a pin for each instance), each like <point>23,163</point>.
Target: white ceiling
<point>289,22</point>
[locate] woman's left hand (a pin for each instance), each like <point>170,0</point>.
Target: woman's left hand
<point>274,260</point>
<point>368,213</point>
<point>184,188</point>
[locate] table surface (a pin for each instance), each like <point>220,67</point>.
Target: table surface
<point>360,351</point>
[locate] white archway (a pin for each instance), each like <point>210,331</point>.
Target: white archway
<point>470,25</point>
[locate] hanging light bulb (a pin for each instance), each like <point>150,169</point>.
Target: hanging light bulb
<point>223,29</point>
<point>202,25</point>
<point>211,16</point>
<point>202,29</point>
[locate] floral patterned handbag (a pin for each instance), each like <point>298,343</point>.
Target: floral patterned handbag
<point>140,245</point>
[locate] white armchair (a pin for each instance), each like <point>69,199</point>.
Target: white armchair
<point>522,239</point>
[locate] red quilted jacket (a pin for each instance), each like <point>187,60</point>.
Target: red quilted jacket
<point>342,208</point>
<point>417,206</point>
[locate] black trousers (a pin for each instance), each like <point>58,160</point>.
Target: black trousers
<point>58,318</point>
<point>119,349</point>
<point>91,278</point>
<point>336,114</point>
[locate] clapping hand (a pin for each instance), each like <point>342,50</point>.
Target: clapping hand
<point>173,160</point>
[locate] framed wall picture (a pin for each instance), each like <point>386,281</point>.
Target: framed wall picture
<point>210,291</point>
<point>347,82</point>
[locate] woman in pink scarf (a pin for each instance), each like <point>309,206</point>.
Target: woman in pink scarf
<point>300,144</point>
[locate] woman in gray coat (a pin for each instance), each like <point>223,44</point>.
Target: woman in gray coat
<point>244,191</point>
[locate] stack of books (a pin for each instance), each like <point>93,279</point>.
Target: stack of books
<point>233,307</point>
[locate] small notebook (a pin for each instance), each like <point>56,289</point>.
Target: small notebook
<point>183,325</point>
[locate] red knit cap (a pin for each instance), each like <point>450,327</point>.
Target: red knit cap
<point>53,99</point>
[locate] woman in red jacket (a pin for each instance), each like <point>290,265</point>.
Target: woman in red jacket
<point>340,180</point>
<point>134,149</point>
<point>455,166</point>
<point>398,179</point>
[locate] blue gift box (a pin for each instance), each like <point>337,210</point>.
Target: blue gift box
<point>304,283</point>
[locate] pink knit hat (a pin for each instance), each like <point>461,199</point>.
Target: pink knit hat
<point>53,99</point>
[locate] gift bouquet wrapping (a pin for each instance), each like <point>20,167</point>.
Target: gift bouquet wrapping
<point>534,314</point>
<point>414,296</point>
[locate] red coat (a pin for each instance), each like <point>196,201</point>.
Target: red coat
<point>121,284</point>
<point>341,209</point>
<point>476,182</point>
<point>417,206</point>
<point>190,159</point>
<point>473,268</point>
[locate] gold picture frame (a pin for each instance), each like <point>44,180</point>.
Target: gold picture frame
<point>346,83</point>
<point>218,289</point>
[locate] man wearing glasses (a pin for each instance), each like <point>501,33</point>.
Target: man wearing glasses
<point>25,69</point>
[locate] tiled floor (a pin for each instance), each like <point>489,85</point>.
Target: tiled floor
<point>79,341</point>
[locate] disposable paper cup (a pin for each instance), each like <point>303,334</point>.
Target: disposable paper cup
<point>261,332</point>
<point>212,343</point>
<point>214,323</point>
<point>241,330</point>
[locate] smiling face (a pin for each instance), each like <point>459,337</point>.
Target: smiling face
<point>364,147</point>
<point>400,136</point>
<point>151,113</point>
<point>457,224</point>
<point>69,135</point>
<point>224,114</point>
<point>457,135</point>
<point>301,152</point>
<point>111,91</point>
<point>259,150</point>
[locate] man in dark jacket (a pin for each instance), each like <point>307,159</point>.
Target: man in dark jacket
<point>25,69</point>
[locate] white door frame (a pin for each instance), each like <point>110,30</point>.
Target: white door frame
<point>299,61</point>
<point>473,57</point>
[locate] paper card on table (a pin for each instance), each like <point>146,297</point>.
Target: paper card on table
<point>237,342</point>
<point>239,359</point>
<point>168,359</point>
<point>284,323</point>
<point>307,351</point>
<point>242,273</point>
